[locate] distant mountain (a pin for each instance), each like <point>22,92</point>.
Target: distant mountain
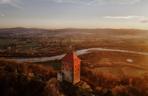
<point>35,32</point>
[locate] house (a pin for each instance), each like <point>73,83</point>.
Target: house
<point>70,70</point>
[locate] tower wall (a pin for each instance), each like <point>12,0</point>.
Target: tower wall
<point>76,71</point>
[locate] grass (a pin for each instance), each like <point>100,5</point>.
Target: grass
<point>56,64</point>
<point>4,42</point>
<point>115,63</point>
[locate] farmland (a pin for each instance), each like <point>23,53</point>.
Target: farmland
<point>24,42</point>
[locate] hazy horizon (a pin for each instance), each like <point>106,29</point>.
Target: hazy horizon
<point>73,28</point>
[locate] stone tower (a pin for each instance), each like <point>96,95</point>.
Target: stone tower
<point>70,70</point>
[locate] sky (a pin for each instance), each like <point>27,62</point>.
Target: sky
<point>131,14</point>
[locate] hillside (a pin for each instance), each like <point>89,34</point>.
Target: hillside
<point>35,80</point>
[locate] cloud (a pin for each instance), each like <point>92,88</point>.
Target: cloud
<point>144,20</point>
<point>13,3</point>
<point>141,19</point>
<point>123,17</point>
<point>119,1</point>
<point>7,1</point>
<point>98,1</point>
<point>2,15</point>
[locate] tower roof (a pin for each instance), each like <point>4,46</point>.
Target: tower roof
<point>70,57</point>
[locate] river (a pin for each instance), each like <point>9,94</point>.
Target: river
<point>78,52</point>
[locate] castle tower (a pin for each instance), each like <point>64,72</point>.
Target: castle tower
<point>71,68</point>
